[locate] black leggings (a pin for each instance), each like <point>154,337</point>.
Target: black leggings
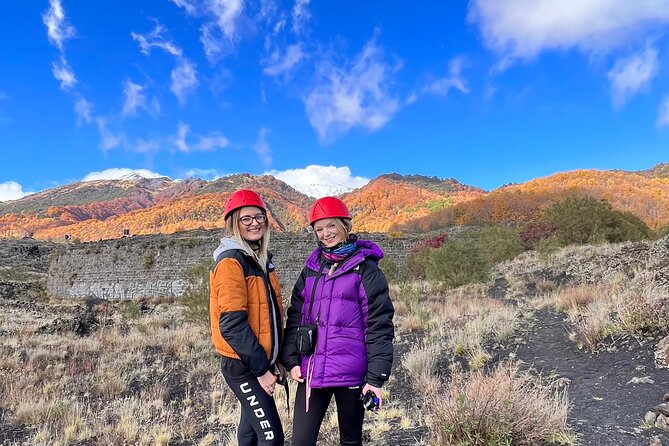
<point>259,423</point>
<point>350,415</point>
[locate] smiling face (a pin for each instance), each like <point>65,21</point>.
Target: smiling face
<point>252,223</point>
<point>330,232</point>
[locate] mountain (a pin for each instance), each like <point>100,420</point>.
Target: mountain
<point>392,200</point>
<point>644,196</point>
<point>660,170</point>
<point>104,209</point>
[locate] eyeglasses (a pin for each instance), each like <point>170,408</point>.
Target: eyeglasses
<point>247,219</point>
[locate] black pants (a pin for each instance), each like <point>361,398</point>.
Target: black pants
<point>259,423</point>
<point>350,415</point>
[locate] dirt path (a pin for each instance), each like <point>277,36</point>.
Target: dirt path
<point>606,409</point>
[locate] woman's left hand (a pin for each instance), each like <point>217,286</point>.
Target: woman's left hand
<point>376,390</point>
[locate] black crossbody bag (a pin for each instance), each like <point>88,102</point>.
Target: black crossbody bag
<point>305,339</point>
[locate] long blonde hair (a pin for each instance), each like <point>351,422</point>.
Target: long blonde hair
<point>262,253</point>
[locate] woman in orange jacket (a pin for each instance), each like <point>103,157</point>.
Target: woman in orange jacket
<point>246,317</point>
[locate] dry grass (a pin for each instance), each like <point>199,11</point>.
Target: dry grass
<point>151,380</point>
<point>622,306</point>
<point>503,408</point>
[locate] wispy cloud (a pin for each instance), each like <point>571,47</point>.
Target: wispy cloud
<point>663,113</point>
<point>84,110</point>
<point>522,29</point>
<point>226,13</point>
<point>301,15</point>
<point>453,80</point>
<point>317,181</point>
<point>118,173</point>
<point>184,80</point>
<point>632,74</point>
<point>64,74</point>
<point>279,64</point>
<point>350,96</point>
<point>220,33</point>
<point>186,5</point>
<point>108,140</point>
<point>205,174</point>
<point>57,27</point>
<point>58,31</point>
<point>156,39</point>
<point>135,99</point>
<point>262,147</point>
<point>11,190</point>
<point>207,143</point>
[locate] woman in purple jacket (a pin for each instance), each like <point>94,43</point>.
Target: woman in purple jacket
<point>342,296</point>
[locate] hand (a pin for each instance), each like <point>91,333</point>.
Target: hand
<point>281,373</point>
<point>296,374</point>
<point>267,382</point>
<point>376,390</point>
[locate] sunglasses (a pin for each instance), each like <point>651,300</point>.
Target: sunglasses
<point>247,219</point>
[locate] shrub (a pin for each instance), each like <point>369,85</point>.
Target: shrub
<point>583,220</point>
<point>503,408</point>
<point>533,233</point>
<point>196,294</point>
<point>390,270</point>
<point>469,257</point>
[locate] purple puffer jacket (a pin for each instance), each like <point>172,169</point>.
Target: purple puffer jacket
<point>355,329</point>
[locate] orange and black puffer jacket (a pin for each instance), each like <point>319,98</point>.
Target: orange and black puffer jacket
<point>245,308</point>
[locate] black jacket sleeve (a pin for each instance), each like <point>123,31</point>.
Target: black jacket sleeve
<point>237,333</point>
<point>289,356</point>
<point>380,329</point>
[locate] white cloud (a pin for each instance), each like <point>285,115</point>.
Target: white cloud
<point>301,15</point>
<point>226,13</point>
<point>318,181</point>
<point>156,39</point>
<point>64,74</point>
<point>632,74</point>
<point>214,47</point>
<point>453,80</point>
<point>135,99</point>
<point>205,174</point>
<point>118,173</point>
<point>210,142</point>
<point>352,96</point>
<point>187,5</point>
<point>278,64</point>
<point>83,109</point>
<point>262,147</point>
<point>57,27</point>
<point>184,80</point>
<point>11,190</point>
<point>663,113</point>
<point>522,29</point>
<point>107,139</point>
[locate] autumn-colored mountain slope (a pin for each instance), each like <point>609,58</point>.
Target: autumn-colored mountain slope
<point>647,198</point>
<point>660,170</point>
<point>391,200</point>
<point>175,206</point>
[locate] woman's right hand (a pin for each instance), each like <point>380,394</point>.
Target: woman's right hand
<point>296,374</point>
<point>267,382</point>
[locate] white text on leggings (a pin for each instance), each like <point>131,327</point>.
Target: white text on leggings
<point>259,412</point>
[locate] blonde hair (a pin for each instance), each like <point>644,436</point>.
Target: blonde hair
<point>343,224</point>
<point>262,253</point>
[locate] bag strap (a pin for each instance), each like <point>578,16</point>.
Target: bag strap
<point>313,289</point>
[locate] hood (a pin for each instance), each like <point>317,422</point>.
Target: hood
<point>227,244</point>
<point>366,250</point>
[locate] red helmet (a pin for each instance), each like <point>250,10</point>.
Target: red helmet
<point>241,198</point>
<point>328,207</point>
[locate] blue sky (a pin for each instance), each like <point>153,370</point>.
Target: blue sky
<point>485,91</point>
